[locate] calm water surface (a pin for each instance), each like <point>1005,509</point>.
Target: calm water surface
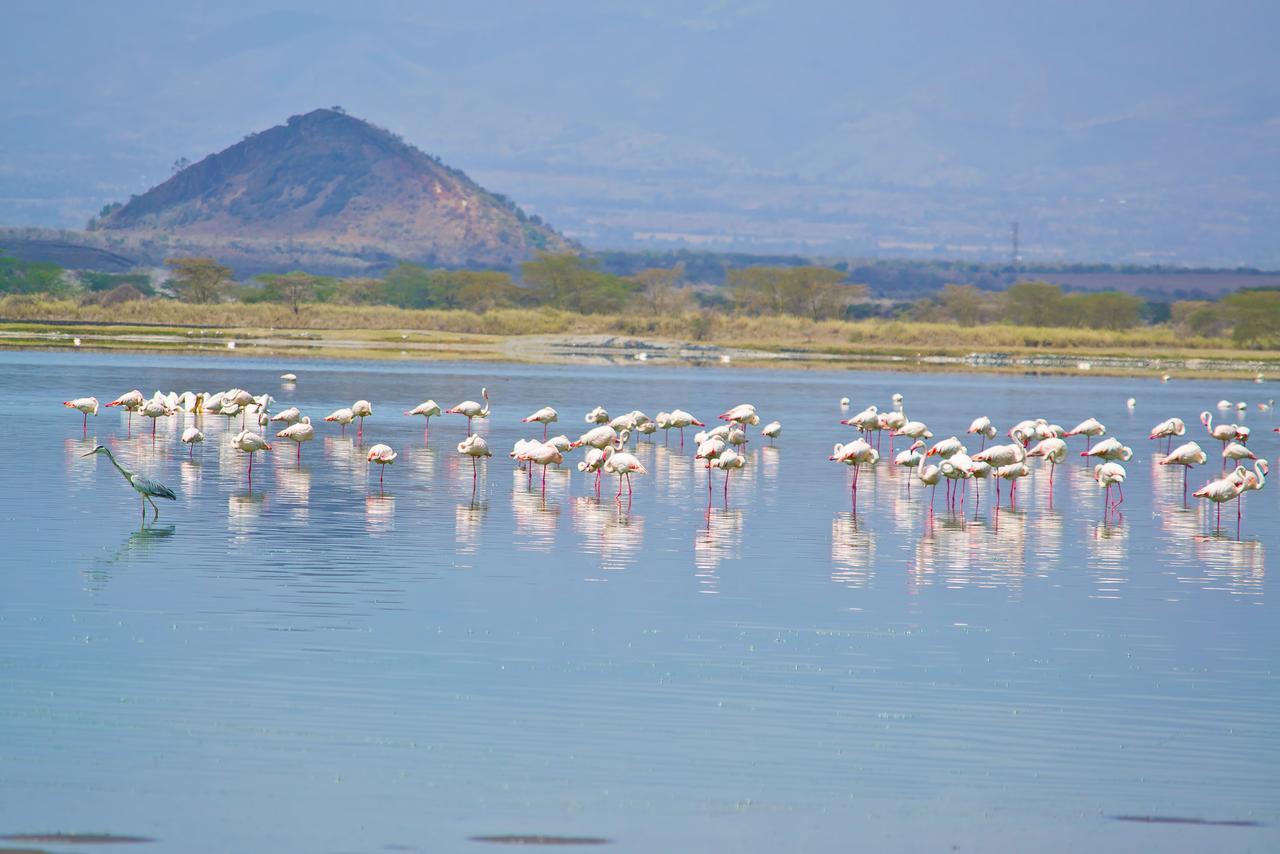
<point>318,666</point>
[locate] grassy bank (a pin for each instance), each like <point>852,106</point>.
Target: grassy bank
<point>334,330</point>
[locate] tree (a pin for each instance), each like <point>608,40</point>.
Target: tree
<point>482,290</point>
<point>1034,304</point>
<point>31,277</point>
<point>818,293</point>
<point>658,291</point>
<point>1103,310</point>
<point>293,288</point>
<point>1255,317</point>
<point>574,283</point>
<point>1200,317</point>
<point>962,304</point>
<point>198,280</point>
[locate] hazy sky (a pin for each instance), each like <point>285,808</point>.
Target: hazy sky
<point>1130,130</point>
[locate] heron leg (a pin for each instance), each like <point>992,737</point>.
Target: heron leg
<point>153,507</point>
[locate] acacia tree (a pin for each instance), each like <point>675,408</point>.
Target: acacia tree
<point>198,279</point>
<point>293,288</point>
<point>818,293</point>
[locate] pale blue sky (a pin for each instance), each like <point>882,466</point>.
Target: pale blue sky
<point>1116,131</point>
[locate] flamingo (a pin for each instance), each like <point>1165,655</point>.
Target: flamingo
<point>343,416</point>
<point>647,428</point>
<point>909,459</point>
<point>292,415</point>
<point>929,476</point>
<point>1002,455</point>
<point>771,431</point>
<point>680,420</point>
<point>1109,449</point>
<point>1186,455</point>
<point>946,448</point>
<point>1236,452</point>
<point>144,486</point>
<point>1012,473</point>
<point>1224,433</point>
<point>1090,428</point>
<point>957,467</point>
<point>855,454</point>
<point>471,409</point>
<point>542,454</point>
<point>427,409</point>
<point>361,409</point>
<point>474,446</point>
<point>623,465</point>
<point>710,447</point>
<point>383,455</point>
<point>1220,492</point>
<point>662,421</point>
<point>743,414</point>
<point>131,401</point>
<point>728,460</point>
<point>1251,480</point>
<point>298,433</point>
<point>983,427</point>
<point>599,415</point>
<point>289,378</point>
<point>1054,450</point>
<point>1167,429</point>
<point>543,416</point>
<point>153,409</point>
<point>866,420</point>
<point>597,437</point>
<point>1108,475</point>
<point>85,405</point>
<point>591,463</point>
<point>192,437</point>
<point>915,430</point>
<point>250,443</point>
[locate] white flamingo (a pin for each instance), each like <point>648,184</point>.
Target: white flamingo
<point>1186,455</point>
<point>86,406</point>
<point>361,409</point>
<point>544,416</point>
<point>383,455</point>
<point>343,416</point>
<point>298,433</point>
<point>192,437</point>
<point>250,443</point>
<point>427,409</point>
<point>471,409</point>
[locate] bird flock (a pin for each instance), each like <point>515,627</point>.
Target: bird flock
<point>604,443</point>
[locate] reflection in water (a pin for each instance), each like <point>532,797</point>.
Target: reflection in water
<point>293,486</point>
<point>1235,566</point>
<point>853,552</point>
<point>379,513</point>
<point>467,524</point>
<point>608,529</point>
<point>535,515</point>
<point>721,539</point>
<point>1109,557</point>
<point>958,553</point>
<point>243,511</point>
<point>190,471</point>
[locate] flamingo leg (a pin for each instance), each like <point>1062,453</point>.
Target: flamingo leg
<point>544,479</point>
<point>726,487</point>
<point>1120,489</point>
<point>629,487</point>
<point>544,431</point>
<point>426,432</point>
<point>299,452</point>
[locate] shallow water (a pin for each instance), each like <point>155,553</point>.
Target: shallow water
<point>318,665</point>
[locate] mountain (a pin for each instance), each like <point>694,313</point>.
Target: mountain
<point>326,183</point>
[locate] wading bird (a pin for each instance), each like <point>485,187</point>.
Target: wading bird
<point>1090,428</point>
<point>543,416</point>
<point>250,443</point>
<point>343,416</point>
<point>471,409</point>
<point>771,431</point>
<point>1108,475</point>
<point>426,409</point>
<point>474,446</point>
<point>192,437</point>
<point>361,409</point>
<point>144,486</point>
<point>383,456</point>
<point>1186,455</point>
<point>86,405</point>
<point>131,401</point>
<point>298,433</point>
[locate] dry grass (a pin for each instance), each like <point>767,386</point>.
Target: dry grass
<point>723,328</point>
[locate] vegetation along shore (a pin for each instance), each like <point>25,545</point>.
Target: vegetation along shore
<point>564,307</point>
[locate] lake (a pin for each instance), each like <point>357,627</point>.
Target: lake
<point>318,665</point>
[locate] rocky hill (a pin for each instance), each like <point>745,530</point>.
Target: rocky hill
<point>323,186</point>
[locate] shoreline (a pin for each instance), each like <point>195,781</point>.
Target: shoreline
<point>434,345</point>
